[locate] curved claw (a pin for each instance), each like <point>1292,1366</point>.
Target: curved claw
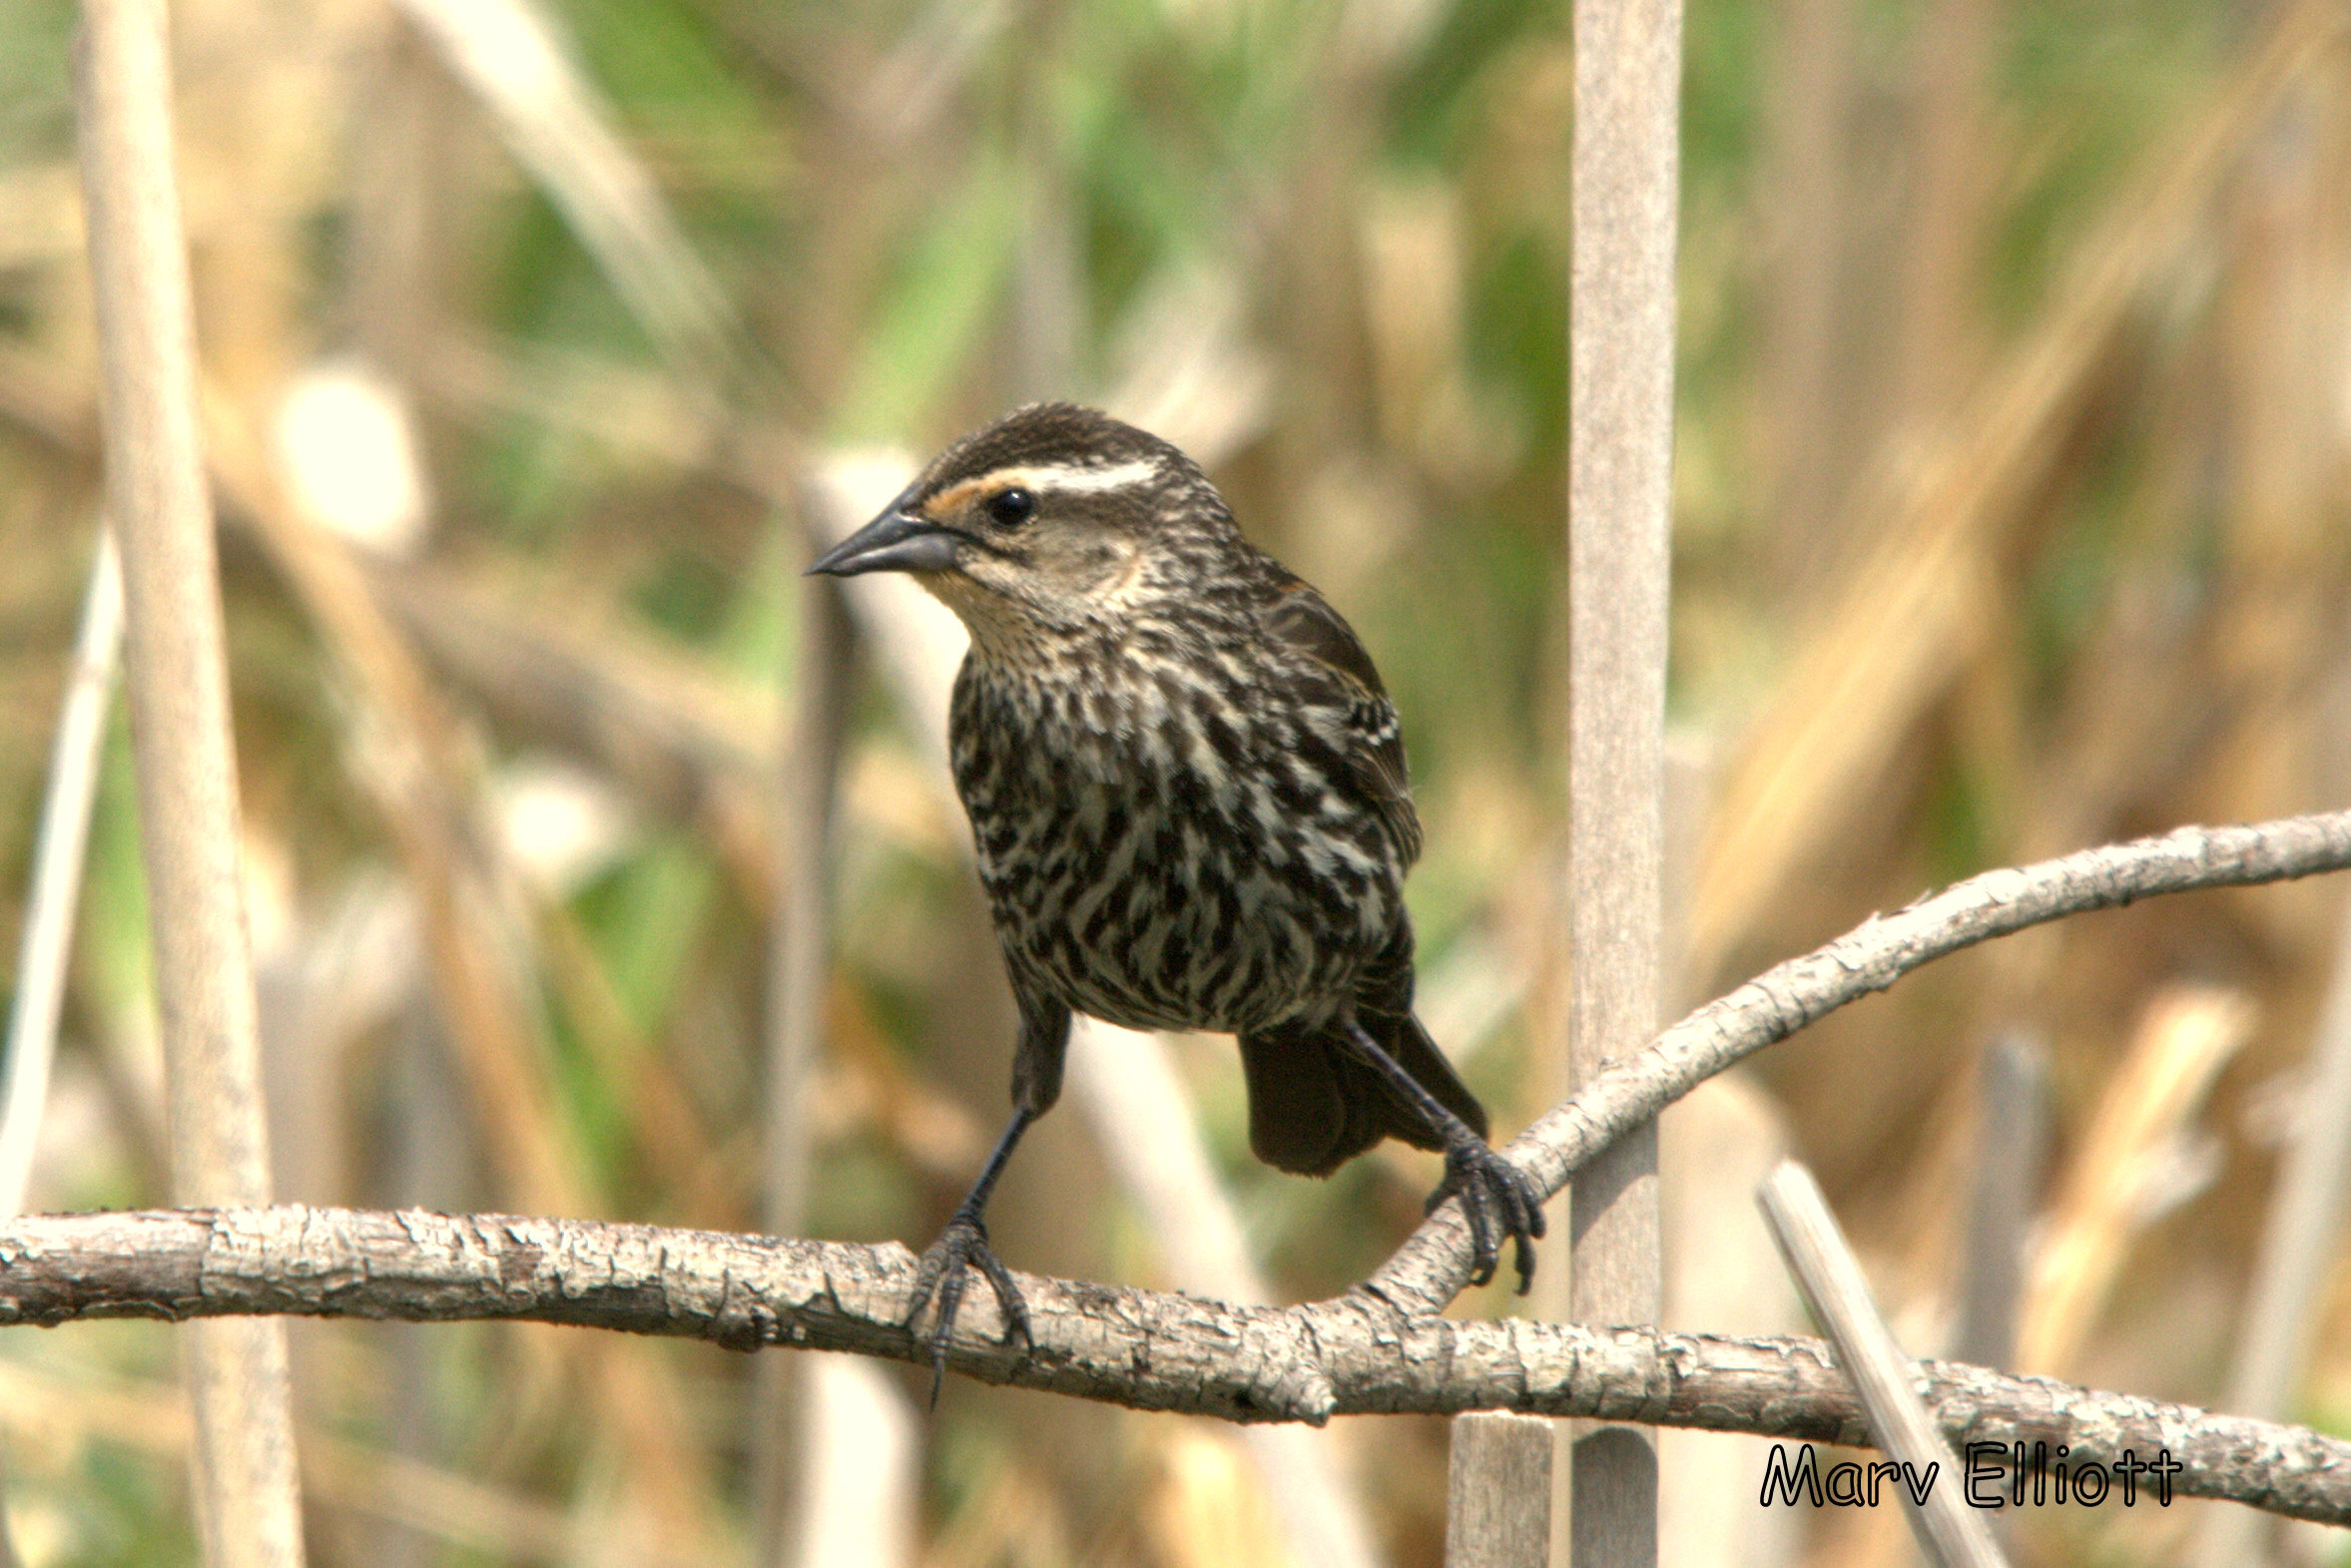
<point>945,1270</point>
<point>1483,1177</point>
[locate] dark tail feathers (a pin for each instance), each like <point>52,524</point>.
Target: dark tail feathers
<point>1313,1105</point>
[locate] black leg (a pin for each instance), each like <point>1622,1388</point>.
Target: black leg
<point>1481,1177</point>
<point>961,1246</point>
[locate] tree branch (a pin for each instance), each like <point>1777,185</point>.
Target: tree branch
<point>1379,1348</point>
<point>1143,1348</point>
<point>1430,1269</point>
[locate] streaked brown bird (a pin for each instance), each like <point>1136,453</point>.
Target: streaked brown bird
<point>1188,796</point>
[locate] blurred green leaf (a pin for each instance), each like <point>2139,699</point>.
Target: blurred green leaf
<point>935,308</point>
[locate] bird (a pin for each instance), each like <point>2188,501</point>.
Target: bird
<point>1189,809</point>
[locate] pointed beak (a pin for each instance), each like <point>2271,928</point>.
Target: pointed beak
<point>899,539</point>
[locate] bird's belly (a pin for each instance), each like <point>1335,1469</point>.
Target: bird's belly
<point>1151,909</point>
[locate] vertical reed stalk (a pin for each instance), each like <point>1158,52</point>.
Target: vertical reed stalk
<point>57,872</point>
<point>248,1500</point>
<point>2300,1242</point>
<point>798,961</point>
<point>1620,449</point>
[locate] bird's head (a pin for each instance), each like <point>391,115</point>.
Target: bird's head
<point>1053,517</point>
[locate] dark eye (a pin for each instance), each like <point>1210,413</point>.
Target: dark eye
<point>1010,508</point>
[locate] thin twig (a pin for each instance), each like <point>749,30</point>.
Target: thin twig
<point>1431,1268</point>
<point>248,1500</point>
<point>1951,1534</point>
<point>1375,1349</point>
<point>2012,1150</point>
<point>57,871</point>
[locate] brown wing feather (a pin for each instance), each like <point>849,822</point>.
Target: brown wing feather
<point>1305,622</point>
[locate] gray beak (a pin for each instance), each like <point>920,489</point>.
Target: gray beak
<point>896,540</point>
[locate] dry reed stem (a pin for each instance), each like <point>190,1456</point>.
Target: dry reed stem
<point>1949,1531</point>
<point>249,1507</point>
<point>412,756</point>
<point>1913,611</point>
<point>508,53</point>
<point>2286,1294</point>
<point>1430,1269</point>
<point>2185,1038</point>
<point>419,778</point>
<point>1497,1506</point>
<point>789,1507</point>
<point>1627,166</point>
<point>2011,1150</point>
<point>57,871</point>
<point>864,1468</point>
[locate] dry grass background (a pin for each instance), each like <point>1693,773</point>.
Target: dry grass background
<point>2011,506</point>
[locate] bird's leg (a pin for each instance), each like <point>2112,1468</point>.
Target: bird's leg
<point>1481,1176</point>
<point>961,1246</point>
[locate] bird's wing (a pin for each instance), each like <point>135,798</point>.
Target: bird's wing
<point>1304,622</point>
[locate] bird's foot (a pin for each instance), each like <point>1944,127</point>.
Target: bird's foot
<point>945,1270</point>
<point>1498,1201</point>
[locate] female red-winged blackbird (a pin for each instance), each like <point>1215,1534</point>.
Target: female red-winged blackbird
<point>1187,792</point>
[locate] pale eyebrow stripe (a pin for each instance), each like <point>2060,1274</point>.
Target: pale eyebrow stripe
<point>1082,478</point>
<point>1049,478</point>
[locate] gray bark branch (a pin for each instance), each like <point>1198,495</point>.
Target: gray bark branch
<point>1142,1348</point>
<point>1379,1348</point>
<point>1430,1269</point>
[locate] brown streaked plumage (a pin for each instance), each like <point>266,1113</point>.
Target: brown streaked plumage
<point>1189,802</point>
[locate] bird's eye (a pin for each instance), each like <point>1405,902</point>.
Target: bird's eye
<point>1010,508</point>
